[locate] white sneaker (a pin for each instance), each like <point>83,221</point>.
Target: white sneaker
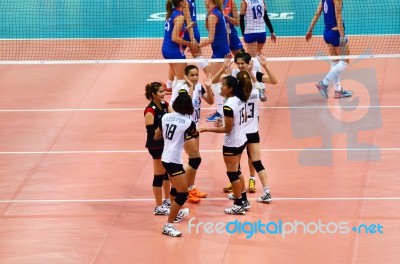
<point>266,198</point>
<point>235,210</point>
<point>170,230</point>
<point>181,215</point>
<point>161,210</point>
<point>231,196</point>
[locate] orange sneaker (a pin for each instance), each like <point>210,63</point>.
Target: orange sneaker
<point>228,188</point>
<point>192,198</point>
<point>195,192</point>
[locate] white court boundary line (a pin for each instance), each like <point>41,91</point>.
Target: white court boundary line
<point>202,151</point>
<point>206,199</point>
<point>205,108</point>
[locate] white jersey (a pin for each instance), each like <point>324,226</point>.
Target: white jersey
<point>198,92</point>
<point>254,17</point>
<point>236,108</point>
<point>252,110</point>
<point>175,127</point>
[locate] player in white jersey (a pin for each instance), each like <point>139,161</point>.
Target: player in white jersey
<point>253,17</point>
<point>244,63</point>
<point>197,92</point>
<point>177,128</point>
<point>234,110</point>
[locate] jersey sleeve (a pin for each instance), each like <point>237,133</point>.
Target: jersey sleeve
<point>191,132</point>
<point>228,111</point>
<point>149,110</point>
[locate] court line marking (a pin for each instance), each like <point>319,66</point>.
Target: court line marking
<point>204,108</point>
<point>206,199</point>
<point>202,151</point>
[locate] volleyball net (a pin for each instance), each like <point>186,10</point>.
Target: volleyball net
<point>74,31</point>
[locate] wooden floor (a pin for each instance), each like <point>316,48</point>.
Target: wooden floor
<point>75,178</point>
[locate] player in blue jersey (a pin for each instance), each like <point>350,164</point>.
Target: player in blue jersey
<point>174,44</point>
<point>192,34</point>
<point>235,45</point>
<point>335,38</point>
<point>218,38</point>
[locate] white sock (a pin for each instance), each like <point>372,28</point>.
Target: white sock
<point>266,189</point>
<point>219,100</point>
<point>334,72</point>
<point>252,177</point>
<point>169,83</point>
<point>256,64</point>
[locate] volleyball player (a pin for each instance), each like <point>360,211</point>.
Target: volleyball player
<point>234,139</point>
<point>190,34</point>
<point>177,128</point>
<point>173,44</point>
<point>197,92</point>
<point>253,17</point>
<point>252,124</point>
<point>155,143</point>
<point>232,20</point>
<point>335,38</point>
<point>218,39</point>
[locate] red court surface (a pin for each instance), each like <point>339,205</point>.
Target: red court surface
<point>75,178</point>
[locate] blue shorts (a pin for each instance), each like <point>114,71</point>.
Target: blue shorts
<point>173,54</point>
<point>260,38</point>
<point>234,42</point>
<point>332,37</point>
<point>219,52</point>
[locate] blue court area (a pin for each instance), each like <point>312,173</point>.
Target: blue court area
<point>31,19</point>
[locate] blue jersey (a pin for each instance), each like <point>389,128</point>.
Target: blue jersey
<point>168,44</point>
<point>227,8</point>
<point>220,36</point>
<point>192,9</point>
<point>193,16</point>
<point>329,14</point>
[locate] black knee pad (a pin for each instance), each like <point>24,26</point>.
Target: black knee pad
<point>158,180</point>
<point>173,192</point>
<point>195,163</point>
<point>181,198</point>
<point>258,165</point>
<point>166,178</point>
<point>233,175</point>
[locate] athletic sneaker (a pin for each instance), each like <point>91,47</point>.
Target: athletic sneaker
<point>252,186</point>
<point>228,188</point>
<point>161,210</point>
<point>167,203</point>
<point>170,230</point>
<point>323,89</point>
<point>265,198</point>
<point>246,205</point>
<point>214,117</point>
<point>343,93</point>
<point>193,199</point>
<point>196,192</point>
<point>235,210</point>
<point>261,92</point>
<point>181,215</point>
<point>231,196</point>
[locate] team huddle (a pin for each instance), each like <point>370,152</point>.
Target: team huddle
<point>174,127</point>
